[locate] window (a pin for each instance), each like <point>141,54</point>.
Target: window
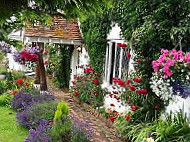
<point>116,62</point>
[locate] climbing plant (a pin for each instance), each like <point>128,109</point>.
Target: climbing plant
<point>58,64</point>
<point>152,25</point>
<point>95,29</point>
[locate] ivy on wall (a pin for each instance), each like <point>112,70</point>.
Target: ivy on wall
<point>152,25</point>
<point>95,29</point>
<point>64,71</point>
<point>59,63</point>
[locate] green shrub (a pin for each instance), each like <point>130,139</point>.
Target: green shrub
<point>41,111</point>
<point>3,86</point>
<point>174,129</point>
<point>61,130</point>
<point>62,110</point>
<point>5,100</point>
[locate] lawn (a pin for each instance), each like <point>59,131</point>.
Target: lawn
<point>9,129</point>
<point>2,68</point>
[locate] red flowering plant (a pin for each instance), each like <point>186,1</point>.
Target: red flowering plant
<point>86,88</point>
<point>134,94</point>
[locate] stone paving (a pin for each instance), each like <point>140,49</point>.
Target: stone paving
<point>102,131</point>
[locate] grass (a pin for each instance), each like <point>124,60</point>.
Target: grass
<point>2,69</point>
<point>10,131</point>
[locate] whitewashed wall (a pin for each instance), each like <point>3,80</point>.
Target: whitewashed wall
<point>179,104</point>
<point>11,62</point>
<point>79,57</point>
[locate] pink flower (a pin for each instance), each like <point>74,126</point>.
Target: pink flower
<point>155,65</point>
<point>164,52</point>
<point>161,59</point>
<point>187,58</point>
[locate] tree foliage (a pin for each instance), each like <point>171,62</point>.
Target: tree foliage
<point>152,25</point>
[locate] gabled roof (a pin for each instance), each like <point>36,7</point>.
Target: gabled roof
<point>60,28</point>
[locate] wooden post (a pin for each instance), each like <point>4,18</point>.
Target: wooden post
<point>43,83</point>
<point>37,74</point>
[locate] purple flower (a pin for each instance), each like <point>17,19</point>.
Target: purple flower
<point>6,48</point>
<point>17,56</point>
<point>82,127</point>
<point>33,50</point>
<point>39,135</point>
<point>181,88</point>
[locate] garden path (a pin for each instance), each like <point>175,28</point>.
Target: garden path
<point>102,131</point>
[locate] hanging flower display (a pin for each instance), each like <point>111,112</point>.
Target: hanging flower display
<point>171,74</point>
<point>28,56</point>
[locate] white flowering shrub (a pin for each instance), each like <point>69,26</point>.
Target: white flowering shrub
<point>161,87</point>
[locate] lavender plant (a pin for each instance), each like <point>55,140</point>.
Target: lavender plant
<point>21,101</point>
<point>5,48</point>
<point>82,132</point>
<point>40,134</point>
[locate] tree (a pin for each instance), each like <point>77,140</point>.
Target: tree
<point>15,13</point>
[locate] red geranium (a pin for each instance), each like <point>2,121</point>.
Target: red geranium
<point>142,91</point>
<point>46,63</point>
<point>20,81</point>
<point>116,113</point>
<point>122,45</point>
<point>73,82</point>
<point>120,82</point>
<point>134,108</point>
<point>128,54</point>
<point>34,57</point>
<point>137,80</point>
<point>76,93</point>
<point>46,52</point>
<point>128,81</point>
<point>96,93</point>
<point>27,84</point>
<point>88,70</point>
<point>138,60</point>
<point>111,95</point>
<point>112,105</point>
<point>96,81</point>
<point>111,118</point>
<point>132,88</point>
<point>127,117</point>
